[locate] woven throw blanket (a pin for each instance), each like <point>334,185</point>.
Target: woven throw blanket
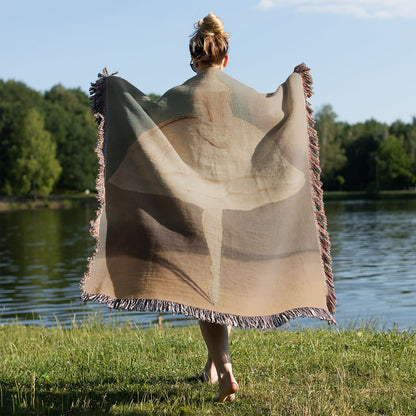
<point>211,203</point>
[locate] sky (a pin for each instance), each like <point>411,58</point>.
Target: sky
<point>361,53</point>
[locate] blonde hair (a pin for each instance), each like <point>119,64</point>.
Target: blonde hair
<point>209,42</point>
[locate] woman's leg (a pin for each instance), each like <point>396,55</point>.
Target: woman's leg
<point>210,372</point>
<point>216,339</point>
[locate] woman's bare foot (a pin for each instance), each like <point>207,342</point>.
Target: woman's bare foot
<point>209,374</point>
<point>216,339</point>
<point>228,388</point>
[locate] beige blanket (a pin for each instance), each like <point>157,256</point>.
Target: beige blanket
<point>211,203</point>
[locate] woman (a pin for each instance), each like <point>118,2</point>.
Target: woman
<point>211,203</point>
<point>209,48</point>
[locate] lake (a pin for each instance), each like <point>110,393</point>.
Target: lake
<point>43,257</point>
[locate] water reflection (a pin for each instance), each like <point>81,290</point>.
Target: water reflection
<point>43,256</point>
<point>374,254</point>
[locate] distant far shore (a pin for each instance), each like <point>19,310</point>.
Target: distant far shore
<point>61,201</point>
<point>343,195</point>
<point>66,201</point>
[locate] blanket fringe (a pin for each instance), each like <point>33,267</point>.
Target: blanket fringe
<point>315,172</point>
<point>258,322</point>
<point>97,104</point>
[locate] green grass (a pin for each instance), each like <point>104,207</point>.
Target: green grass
<point>104,369</point>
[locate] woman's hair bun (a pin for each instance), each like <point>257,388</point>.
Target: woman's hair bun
<point>210,25</point>
<point>209,42</point>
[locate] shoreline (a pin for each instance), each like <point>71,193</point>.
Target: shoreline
<point>347,195</point>
<point>67,201</point>
<point>58,201</point>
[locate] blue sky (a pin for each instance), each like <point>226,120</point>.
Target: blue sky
<point>361,52</point>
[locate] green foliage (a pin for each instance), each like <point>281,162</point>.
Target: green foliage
<point>340,180</point>
<point>408,134</point>
<point>99,369</point>
<point>332,154</point>
<point>153,96</point>
<point>15,100</point>
<point>369,156</point>
<point>394,163</point>
<point>360,171</point>
<point>71,123</point>
<point>33,165</point>
<point>71,133</point>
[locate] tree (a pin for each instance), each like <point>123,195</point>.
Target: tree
<point>394,164</point>
<point>15,99</point>
<point>361,142</point>
<point>153,96</point>
<point>34,167</point>
<point>332,154</point>
<point>408,133</point>
<point>69,119</point>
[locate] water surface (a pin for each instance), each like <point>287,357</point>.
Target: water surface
<point>43,257</point>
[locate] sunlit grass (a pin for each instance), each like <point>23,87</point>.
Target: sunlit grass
<point>119,369</point>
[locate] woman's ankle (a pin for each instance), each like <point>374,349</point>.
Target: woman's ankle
<point>228,386</point>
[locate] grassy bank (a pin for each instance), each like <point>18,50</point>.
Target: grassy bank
<point>103,370</point>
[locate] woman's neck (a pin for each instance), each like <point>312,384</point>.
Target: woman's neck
<point>201,68</point>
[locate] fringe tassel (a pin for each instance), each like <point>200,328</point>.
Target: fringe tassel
<point>259,322</point>
<point>315,174</point>
<point>97,104</point>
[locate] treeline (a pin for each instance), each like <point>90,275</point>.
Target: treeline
<point>47,140</point>
<point>369,156</point>
<point>47,145</point>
